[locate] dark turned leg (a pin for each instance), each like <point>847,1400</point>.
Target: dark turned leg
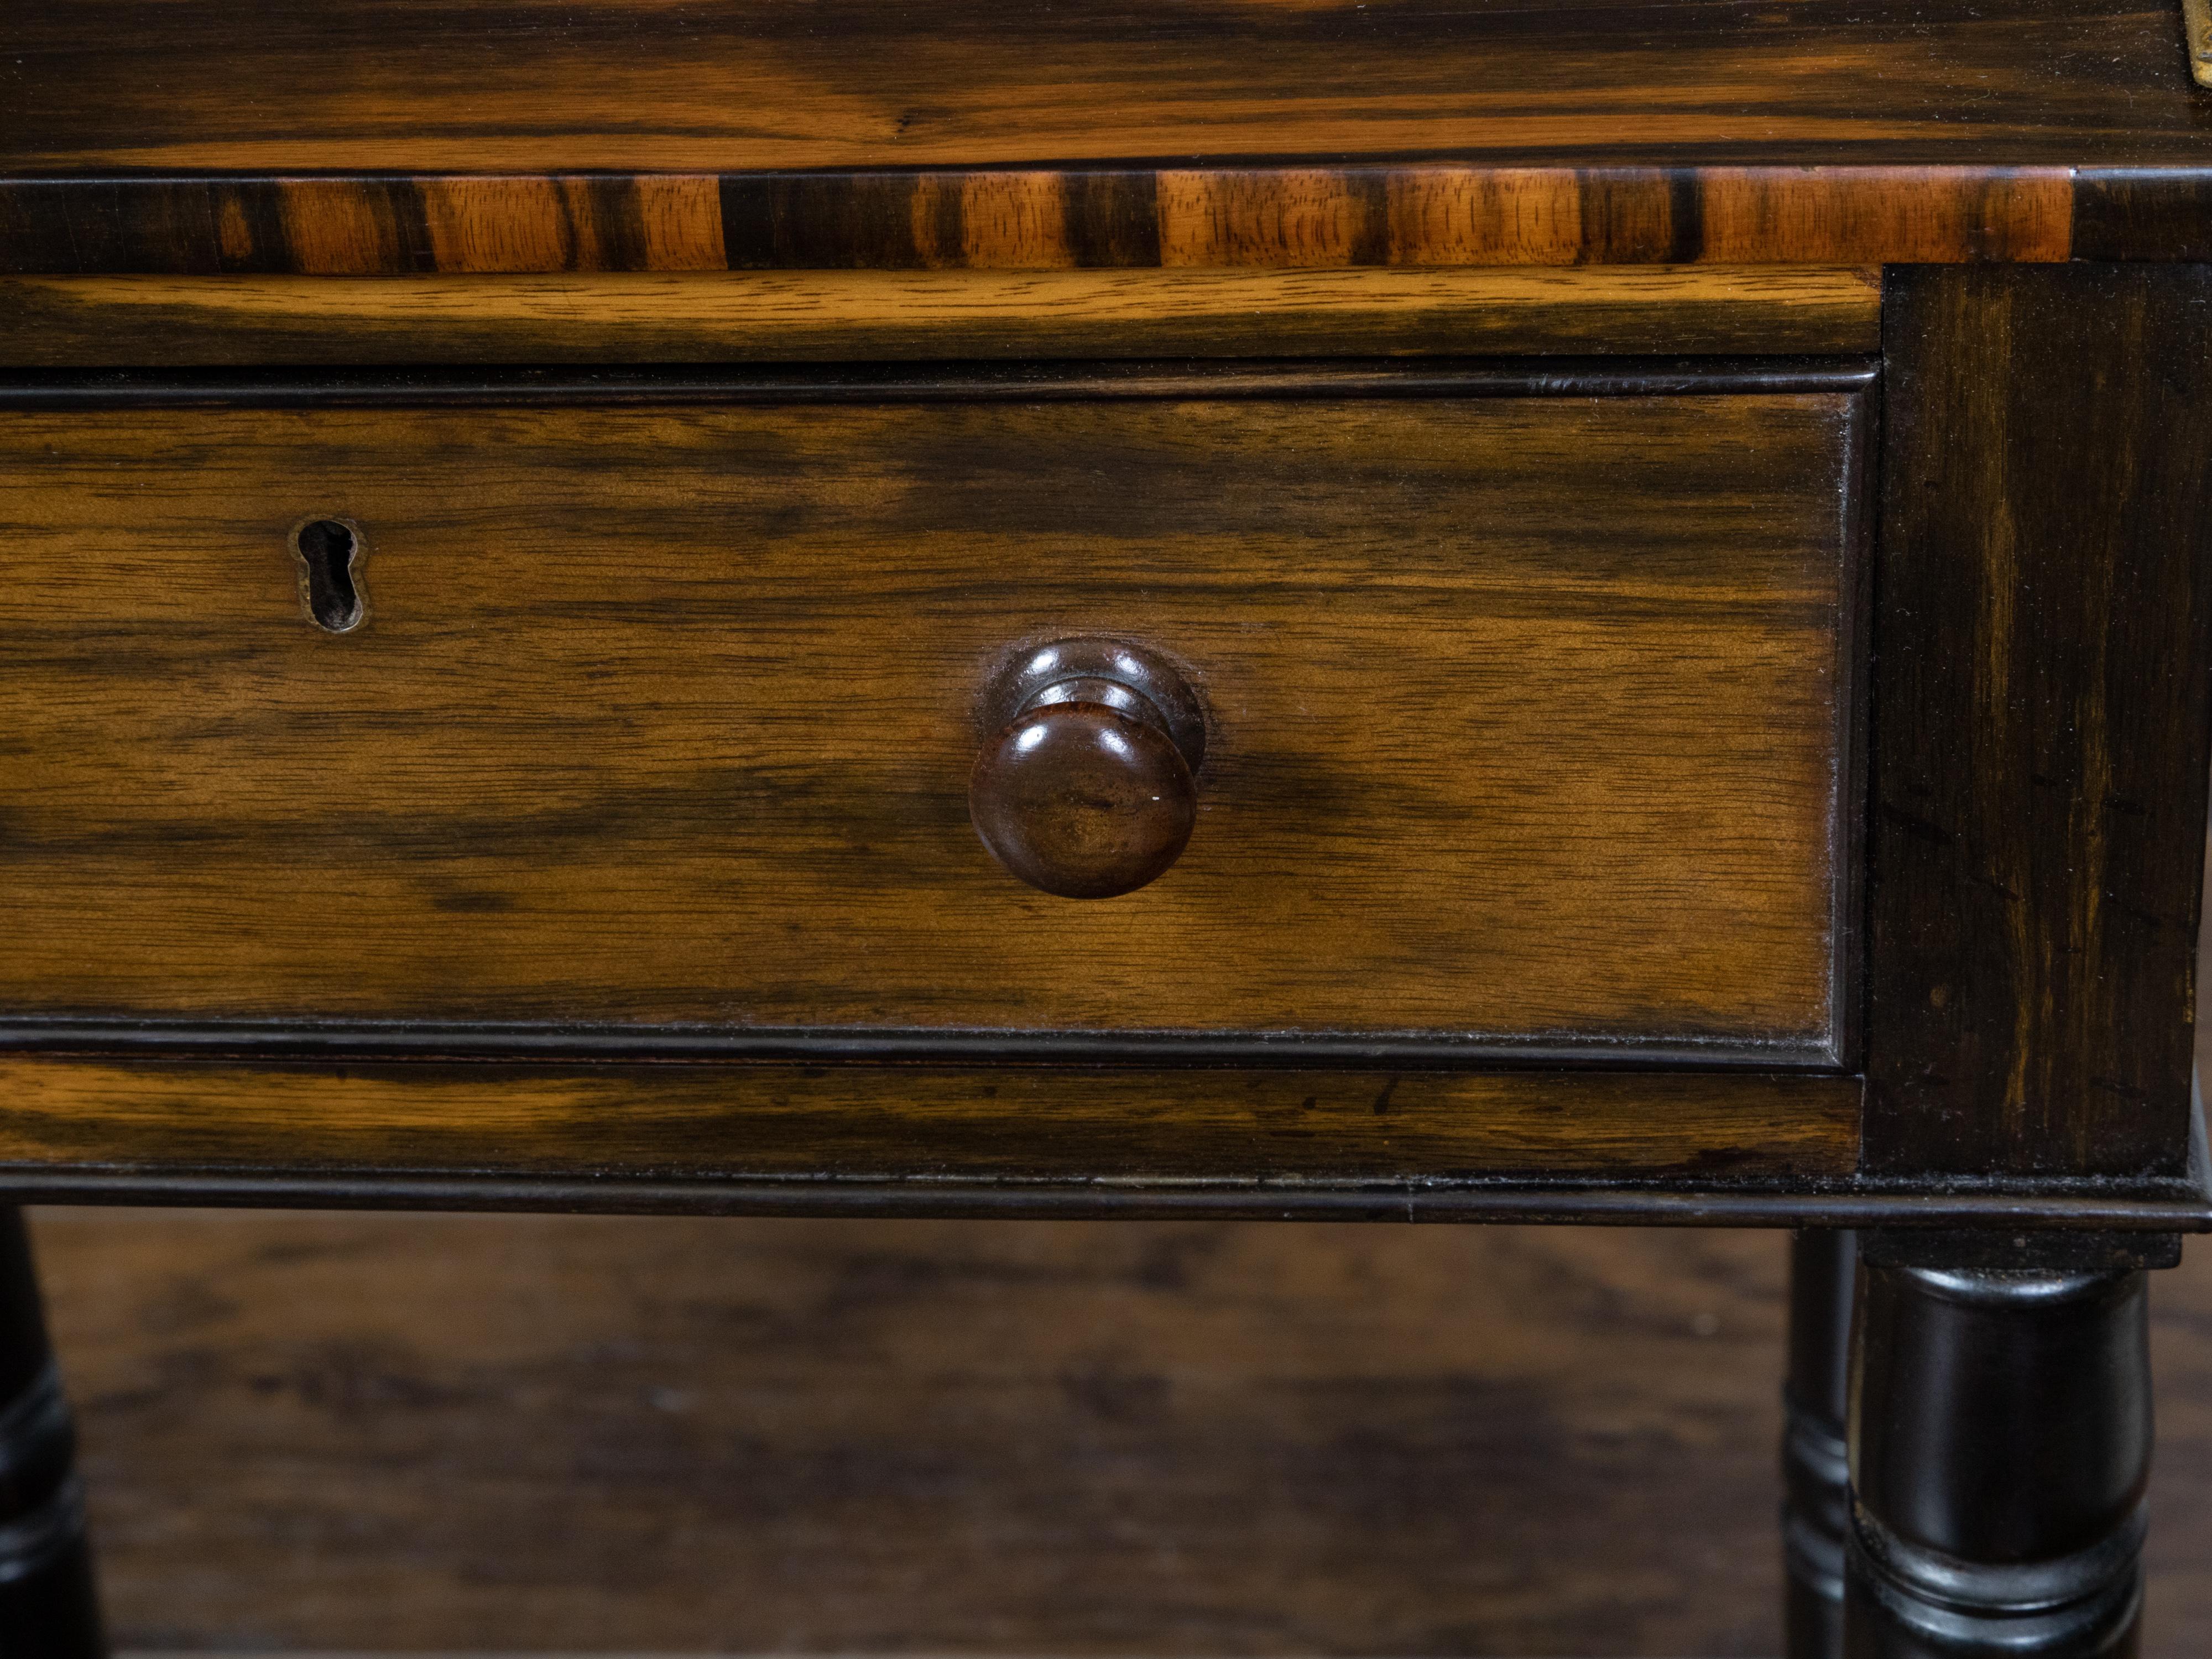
<point>48,1609</point>
<point>2000,1435</point>
<point>1815,1473</point>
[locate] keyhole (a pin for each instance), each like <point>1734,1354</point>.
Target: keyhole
<point>327,548</point>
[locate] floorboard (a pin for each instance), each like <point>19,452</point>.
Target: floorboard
<point>351,1432</point>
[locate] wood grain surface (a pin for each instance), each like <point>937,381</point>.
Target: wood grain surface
<point>627,86</point>
<point>764,1137</point>
<point>322,1433</point>
<point>2042,644</point>
<point>340,137</point>
<point>863,316</point>
<point>1424,214</point>
<point>1527,711</point>
<point>2137,213</point>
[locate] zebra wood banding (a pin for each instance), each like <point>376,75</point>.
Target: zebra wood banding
<point>863,316</point>
<point>1418,213</point>
<point>339,137</point>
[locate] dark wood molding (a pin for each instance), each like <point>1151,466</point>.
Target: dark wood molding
<point>2042,719</point>
<point>2149,1209</point>
<point>1862,506</point>
<point>372,1040</point>
<point>1048,381</point>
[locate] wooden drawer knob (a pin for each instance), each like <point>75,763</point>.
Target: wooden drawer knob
<point>1085,786</point>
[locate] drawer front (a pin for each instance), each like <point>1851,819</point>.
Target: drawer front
<point>1526,716</point>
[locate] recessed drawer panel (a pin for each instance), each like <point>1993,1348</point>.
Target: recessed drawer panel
<point>1525,717</point>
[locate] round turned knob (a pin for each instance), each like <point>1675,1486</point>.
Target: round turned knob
<point>1084,787</point>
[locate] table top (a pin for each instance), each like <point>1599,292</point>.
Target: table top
<point>363,137</point>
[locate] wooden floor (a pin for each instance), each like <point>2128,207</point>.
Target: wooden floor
<point>357,1432</point>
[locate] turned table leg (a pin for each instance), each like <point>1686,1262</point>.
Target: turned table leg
<point>48,1608</point>
<point>1815,1472</point>
<point>2000,1442</point>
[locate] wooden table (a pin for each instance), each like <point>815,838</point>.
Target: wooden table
<point>1594,614</point>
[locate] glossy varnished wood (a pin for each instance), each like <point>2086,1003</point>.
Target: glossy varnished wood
<point>613,85</point>
<point>1086,789</point>
<point>2000,1434</point>
<point>614,135</point>
<point>1408,214</point>
<point>864,316</point>
<point>1529,715</point>
<point>2042,645</point>
<point>998,1139</point>
<point>1082,802</point>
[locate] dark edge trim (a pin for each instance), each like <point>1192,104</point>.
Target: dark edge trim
<point>1288,378</point>
<point>368,1040</point>
<point>2055,1205</point>
<point>2143,215</point>
<point>1955,1255</point>
<point>1849,898</point>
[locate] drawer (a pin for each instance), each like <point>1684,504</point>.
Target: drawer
<point>1527,712</point>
